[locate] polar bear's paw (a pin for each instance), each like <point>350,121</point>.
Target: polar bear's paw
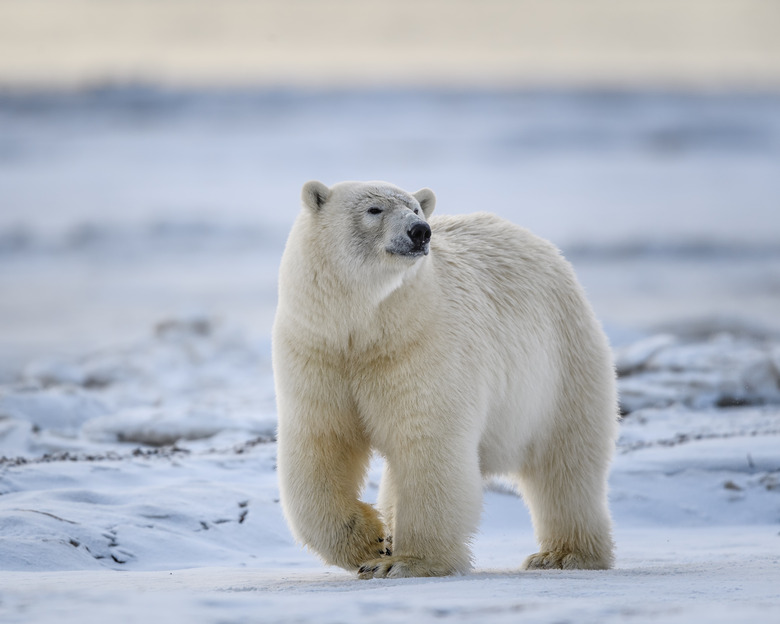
<point>402,567</point>
<point>364,539</point>
<point>564,560</point>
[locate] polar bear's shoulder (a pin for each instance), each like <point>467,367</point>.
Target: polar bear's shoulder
<point>485,233</point>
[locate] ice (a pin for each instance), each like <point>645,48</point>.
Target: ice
<point>191,379</point>
<point>632,357</point>
<point>720,371</point>
<point>185,502</point>
<point>141,511</point>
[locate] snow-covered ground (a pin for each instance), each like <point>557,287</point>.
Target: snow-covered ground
<point>140,482</point>
<point>140,232</point>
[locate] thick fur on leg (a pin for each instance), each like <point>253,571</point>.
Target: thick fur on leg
<point>388,494</point>
<point>566,495</point>
<point>428,540</point>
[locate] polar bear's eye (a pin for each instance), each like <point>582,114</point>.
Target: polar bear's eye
<point>374,210</point>
<point>416,211</point>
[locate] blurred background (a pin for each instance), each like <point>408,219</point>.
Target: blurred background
<point>152,153</point>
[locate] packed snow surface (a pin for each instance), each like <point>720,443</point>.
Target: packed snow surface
<point>140,233</point>
<point>155,492</point>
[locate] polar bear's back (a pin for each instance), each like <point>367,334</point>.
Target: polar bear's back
<point>515,269</point>
<point>527,326</point>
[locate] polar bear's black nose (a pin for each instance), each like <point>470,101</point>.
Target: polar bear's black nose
<point>420,233</point>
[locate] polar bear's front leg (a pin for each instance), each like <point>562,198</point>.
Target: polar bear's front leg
<point>323,455</point>
<point>320,477</point>
<point>388,493</point>
<point>437,498</point>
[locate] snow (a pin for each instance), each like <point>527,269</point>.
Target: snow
<point>140,233</point>
<point>720,371</point>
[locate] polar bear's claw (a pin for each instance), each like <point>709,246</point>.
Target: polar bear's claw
<point>402,567</point>
<point>384,551</point>
<point>362,539</point>
<point>561,560</point>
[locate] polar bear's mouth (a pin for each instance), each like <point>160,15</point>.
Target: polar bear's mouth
<point>416,242</point>
<point>409,252</point>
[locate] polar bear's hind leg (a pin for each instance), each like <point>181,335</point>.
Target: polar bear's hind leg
<point>565,489</point>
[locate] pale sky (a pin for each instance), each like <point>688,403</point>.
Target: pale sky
<point>607,43</point>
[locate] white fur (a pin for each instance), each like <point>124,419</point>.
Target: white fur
<point>481,358</point>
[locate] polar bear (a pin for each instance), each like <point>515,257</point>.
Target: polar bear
<point>457,347</point>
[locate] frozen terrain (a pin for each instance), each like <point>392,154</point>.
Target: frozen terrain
<point>140,232</point>
<point>141,481</point>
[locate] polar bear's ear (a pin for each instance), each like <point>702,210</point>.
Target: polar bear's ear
<point>427,200</point>
<point>314,195</point>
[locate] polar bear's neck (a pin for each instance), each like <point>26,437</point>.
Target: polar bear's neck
<point>347,314</point>
<point>381,290</point>
<point>328,300</point>
<point>382,295</point>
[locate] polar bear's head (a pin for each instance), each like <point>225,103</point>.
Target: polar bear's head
<point>375,223</point>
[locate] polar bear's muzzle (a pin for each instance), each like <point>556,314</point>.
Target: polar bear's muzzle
<point>413,238</point>
<point>420,235</point>
<point>415,243</point>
